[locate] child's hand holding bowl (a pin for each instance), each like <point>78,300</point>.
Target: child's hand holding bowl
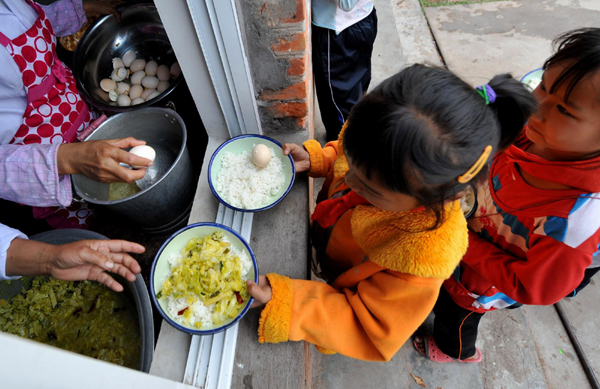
<point>261,293</point>
<point>299,155</point>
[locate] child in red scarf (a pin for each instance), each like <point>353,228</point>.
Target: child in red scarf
<point>388,231</point>
<point>535,236</point>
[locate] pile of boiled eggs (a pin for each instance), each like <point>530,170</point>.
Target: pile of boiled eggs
<point>147,79</point>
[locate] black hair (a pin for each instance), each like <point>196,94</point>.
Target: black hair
<point>420,129</point>
<point>581,48</point>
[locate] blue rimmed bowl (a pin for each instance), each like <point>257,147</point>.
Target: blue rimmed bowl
<point>174,245</point>
<point>533,78</point>
<point>243,143</point>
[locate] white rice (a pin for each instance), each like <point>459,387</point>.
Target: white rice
<point>200,312</point>
<point>243,185</point>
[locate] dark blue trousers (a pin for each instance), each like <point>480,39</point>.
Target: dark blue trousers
<point>342,69</point>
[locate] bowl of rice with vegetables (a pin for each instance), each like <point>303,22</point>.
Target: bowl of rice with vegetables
<point>198,278</point>
<point>245,183</point>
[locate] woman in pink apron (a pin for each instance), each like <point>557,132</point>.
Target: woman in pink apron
<point>55,112</point>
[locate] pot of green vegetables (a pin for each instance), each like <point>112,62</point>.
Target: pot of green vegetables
<point>84,317</point>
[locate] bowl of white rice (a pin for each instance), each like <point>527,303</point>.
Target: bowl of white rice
<point>241,185</point>
<point>533,79</point>
<point>198,278</point>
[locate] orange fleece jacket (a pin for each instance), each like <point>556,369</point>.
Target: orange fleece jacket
<point>374,306</point>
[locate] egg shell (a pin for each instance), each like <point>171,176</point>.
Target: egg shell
<point>118,63</point>
<point>115,77</point>
<point>152,95</point>
<point>107,85</point>
<point>144,151</point>
<point>123,73</point>
<point>150,82</point>
<point>137,100</point>
<point>137,65</point>
<point>261,155</point>
<point>175,70</point>
<point>162,86</point>
<point>135,91</point>
<point>123,101</point>
<point>136,78</point>
<point>163,73</point>
<point>147,93</point>
<point>123,88</point>
<point>113,95</point>
<point>128,58</point>
<point>151,68</point>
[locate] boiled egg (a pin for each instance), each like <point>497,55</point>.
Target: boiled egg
<point>261,155</point>
<point>128,58</point>
<point>144,152</point>
<point>107,85</point>
<point>151,68</point>
<point>137,65</point>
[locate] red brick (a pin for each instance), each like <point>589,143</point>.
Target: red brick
<point>293,92</point>
<point>300,14</point>
<point>297,67</point>
<point>286,110</point>
<point>295,43</point>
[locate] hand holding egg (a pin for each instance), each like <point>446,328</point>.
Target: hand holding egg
<point>143,151</point>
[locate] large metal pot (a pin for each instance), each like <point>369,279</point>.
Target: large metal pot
<point>136,291</point>
<point>165,205</point>
<point>140,29</point>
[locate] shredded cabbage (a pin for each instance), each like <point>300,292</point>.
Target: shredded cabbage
<point>209,272</point>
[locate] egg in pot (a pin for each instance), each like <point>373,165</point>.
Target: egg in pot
<point>137,65</point>
<point>261,155</point>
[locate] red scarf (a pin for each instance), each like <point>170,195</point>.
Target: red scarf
<point>329,211</point>
<point>583,175</point>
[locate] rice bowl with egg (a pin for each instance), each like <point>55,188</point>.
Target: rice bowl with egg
<point>248,143</point>
<point>244,185</point>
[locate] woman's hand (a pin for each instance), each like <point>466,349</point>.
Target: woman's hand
<point>262,292</point>
<point>81,260</point>
<point>299,155</point>
<point>95,9</point>
<point>99,160</point>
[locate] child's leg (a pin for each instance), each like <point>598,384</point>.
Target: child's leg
<point>455,328</point>
<point>330,114</point>
<point>342,69</point>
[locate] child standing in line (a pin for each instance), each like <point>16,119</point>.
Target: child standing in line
<point>535,236</point>
<point>343,33</point>
<point>391,231</point>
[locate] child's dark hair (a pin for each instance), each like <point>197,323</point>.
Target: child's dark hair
<point>581,49</point>
<point>421,129</point>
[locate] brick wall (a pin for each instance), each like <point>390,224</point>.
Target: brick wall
<point>277,42</point>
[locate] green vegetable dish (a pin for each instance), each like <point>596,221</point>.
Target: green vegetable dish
<point>206,284</point>
<point>84,317</point>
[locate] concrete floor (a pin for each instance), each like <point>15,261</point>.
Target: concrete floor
<point>522,348</point>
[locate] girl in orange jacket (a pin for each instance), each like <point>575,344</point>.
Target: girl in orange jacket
<point>387,229</point>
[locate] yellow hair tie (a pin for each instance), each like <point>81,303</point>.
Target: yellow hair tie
<point>477,166</point>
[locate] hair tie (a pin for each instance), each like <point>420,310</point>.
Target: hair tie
<point>477,166</point>
<point>487,92</point>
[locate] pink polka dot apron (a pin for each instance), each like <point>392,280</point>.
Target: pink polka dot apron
<point>55,112</point>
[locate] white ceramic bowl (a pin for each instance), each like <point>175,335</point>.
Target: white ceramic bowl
<point>174,245</point>
<point>246,142</point>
